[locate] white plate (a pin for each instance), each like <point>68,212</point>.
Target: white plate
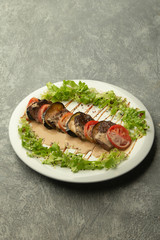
<point>137,155</point>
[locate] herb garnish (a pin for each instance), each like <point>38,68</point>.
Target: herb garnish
<point>54,156</point>
<point>133,119</point>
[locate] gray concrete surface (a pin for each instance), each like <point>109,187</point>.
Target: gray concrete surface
<point>112,41</point>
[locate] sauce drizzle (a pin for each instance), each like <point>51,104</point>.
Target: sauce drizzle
<point>88,109</point>
<point>67,104</point>
<point>75,107</point>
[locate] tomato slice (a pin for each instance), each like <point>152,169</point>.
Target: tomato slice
<point>63,120</point>
<point>32,100</point>
<point>88,130</point>
<point>119,136</point>
<point>41,111</point>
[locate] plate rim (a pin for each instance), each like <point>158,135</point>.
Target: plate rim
<point>74,179</point>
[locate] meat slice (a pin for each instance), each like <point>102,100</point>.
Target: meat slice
<point>99,134</point>
<point>80,120</point>
<point>32,110</point>
<point>57,116</point>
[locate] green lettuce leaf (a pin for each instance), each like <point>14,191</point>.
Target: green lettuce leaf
<point>54,156</point>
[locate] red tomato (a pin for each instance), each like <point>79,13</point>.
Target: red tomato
<point>63,120</point>
<point>88,130</point>
<point>119,136</point>
<point>42,109</point>
<point>32,100</point>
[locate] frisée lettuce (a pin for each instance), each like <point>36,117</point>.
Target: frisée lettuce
<point>55,156</point>
<point>133,119</point>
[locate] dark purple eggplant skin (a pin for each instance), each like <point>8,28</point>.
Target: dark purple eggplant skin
<point>47,126</point>
<point>69,126</point>
<point>32,110</point>
<point>75,125</point>
<point>99,134</point>
<point>69,132</point>
<point>50,115</point>
<point>29,115</point>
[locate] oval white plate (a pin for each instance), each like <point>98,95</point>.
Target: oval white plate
<point>137,155</point>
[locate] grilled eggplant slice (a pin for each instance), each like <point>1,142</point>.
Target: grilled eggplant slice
<point>99,134</point>
<point>51,114</point>
<point>70,127</point>
<point>32,110</point>
<point>58,116</point>
<point>76,124</point>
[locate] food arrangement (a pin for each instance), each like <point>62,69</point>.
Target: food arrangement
<point>52,113</point>
<point>55,116</point>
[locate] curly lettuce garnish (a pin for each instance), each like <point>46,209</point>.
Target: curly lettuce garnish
<point>69,90</point>
<point>133,119</point>
<point>54,156</point>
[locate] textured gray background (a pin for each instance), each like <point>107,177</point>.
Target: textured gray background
<point>113,41</point>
